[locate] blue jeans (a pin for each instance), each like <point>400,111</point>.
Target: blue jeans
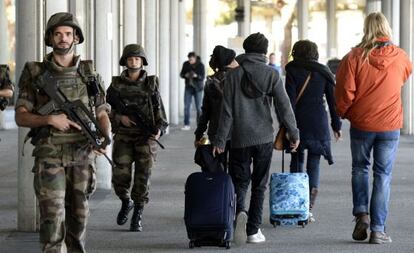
<point>384,146</point>
<point>312,166</point>
<point>188,95</point>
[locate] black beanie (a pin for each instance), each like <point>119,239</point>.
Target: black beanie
<point>256,43</point>
<point>221,57</point>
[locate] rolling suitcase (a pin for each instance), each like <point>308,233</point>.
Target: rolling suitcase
<point>209,210</point>
<point>289,198</point>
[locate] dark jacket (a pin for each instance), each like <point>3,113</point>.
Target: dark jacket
<point>210,110</point>
<point>310,111</point>
<point>187,72</point>
<point>250,119</point>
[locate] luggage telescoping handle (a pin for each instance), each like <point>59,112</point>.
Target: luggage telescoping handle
<point>283,161</point>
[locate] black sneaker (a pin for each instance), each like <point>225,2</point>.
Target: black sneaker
<point>379,238</point>
<point>361,227</point>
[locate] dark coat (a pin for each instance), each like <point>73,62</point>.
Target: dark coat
<point>310,112</point>
<point>187,72</point>
<point>210,110</point>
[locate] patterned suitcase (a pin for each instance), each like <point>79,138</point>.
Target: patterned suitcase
<point>289,198</point>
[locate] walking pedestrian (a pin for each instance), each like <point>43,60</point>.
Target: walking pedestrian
<point>368,94</point>
<point>222,60</point>
<point>249,91</point>
<point>193,72</point>
<point>64,168</point>
<point>132,142</point>
<point>315,81</point>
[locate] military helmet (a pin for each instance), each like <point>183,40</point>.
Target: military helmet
<point>62,19</point>
<point>133,50</point>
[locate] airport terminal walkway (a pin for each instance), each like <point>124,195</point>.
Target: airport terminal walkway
<point>164,229</point>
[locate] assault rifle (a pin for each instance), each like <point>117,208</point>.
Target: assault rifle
<point>133,112</point>
<point>75,111</point>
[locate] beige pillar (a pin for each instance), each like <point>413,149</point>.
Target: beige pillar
<point>103,55</point>
<point>29,47</point>
<point>174,62</point>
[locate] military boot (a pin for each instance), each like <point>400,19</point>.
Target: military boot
<point>127,205</point>
<point>312,199</point>
<point>136,220</point>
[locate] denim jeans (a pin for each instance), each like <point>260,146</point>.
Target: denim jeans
<point>241,174</point>
<point>384,146</point>
<point>189,93</point>
<point>312,166</point>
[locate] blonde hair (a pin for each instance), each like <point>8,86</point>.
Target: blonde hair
<point>375,26</point>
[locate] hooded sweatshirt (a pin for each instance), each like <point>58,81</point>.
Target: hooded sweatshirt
<point>368,91</point>
<point>250,119</point>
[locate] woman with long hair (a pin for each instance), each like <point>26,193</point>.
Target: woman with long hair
<point>315,82</point>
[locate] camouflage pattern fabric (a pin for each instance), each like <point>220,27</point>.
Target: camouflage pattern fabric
<point>128,150</point>
<point>64,169</point>
<point>131,145</point>
<point>63,186</point>
<point>5,82</point>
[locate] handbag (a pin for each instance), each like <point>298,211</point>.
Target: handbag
<point>281,139</point>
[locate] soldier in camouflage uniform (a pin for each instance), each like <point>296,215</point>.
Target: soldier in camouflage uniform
<point>6,86</point>
<point>131,143</point>
<point>64,171</point>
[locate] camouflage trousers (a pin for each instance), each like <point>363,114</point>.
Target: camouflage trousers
<point>63,184</point>
<point>126,152</point>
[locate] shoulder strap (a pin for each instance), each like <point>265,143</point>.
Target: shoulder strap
<point>302,90</point>
<point>152,82</point>
<point>86,68</point>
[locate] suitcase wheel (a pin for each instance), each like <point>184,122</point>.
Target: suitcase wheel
<point>191,244</point>
<point>273,223</point>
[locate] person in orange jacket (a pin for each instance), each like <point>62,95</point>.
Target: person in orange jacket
<point>368,94</point>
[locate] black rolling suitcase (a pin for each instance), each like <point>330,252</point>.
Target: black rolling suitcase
<point>209,209</point>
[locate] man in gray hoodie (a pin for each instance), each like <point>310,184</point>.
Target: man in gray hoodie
<point>246,111</point>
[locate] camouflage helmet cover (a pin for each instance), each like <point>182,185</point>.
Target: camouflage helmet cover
<point>62,19</point>
<point>133,50</point>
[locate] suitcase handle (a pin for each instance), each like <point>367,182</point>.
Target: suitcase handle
<point>283,162</point>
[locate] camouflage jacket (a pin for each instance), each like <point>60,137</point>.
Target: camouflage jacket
<point>5,81</point>
<point>73,85</point>
<point>145,94</point>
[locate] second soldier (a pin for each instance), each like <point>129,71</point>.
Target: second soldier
<point>138,119</point>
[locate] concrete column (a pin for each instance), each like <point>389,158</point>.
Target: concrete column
<point>52,7</point>
<point>140,22</point>
<point>28,48</point>
<point>164,57</point>
<point>116,38</point>
<point>4,45</point>
<point>151,37</point>
<point>130,21</point>
<point>174,62</point>
<point>395,24</point>
<point>4,35</point>
<point>182,53</point>
<point>332,28</point>
<point>386,9</point>
<point>372,6</point>
<point>303,17</point>
<point>200,29</point>
<point>407,43</point>
<point>103,62</point>
<point>243,18</point>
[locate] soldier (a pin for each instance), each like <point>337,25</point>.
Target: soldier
<point>132,142</point>
<point>64,172</point>
<point>6,86</point>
